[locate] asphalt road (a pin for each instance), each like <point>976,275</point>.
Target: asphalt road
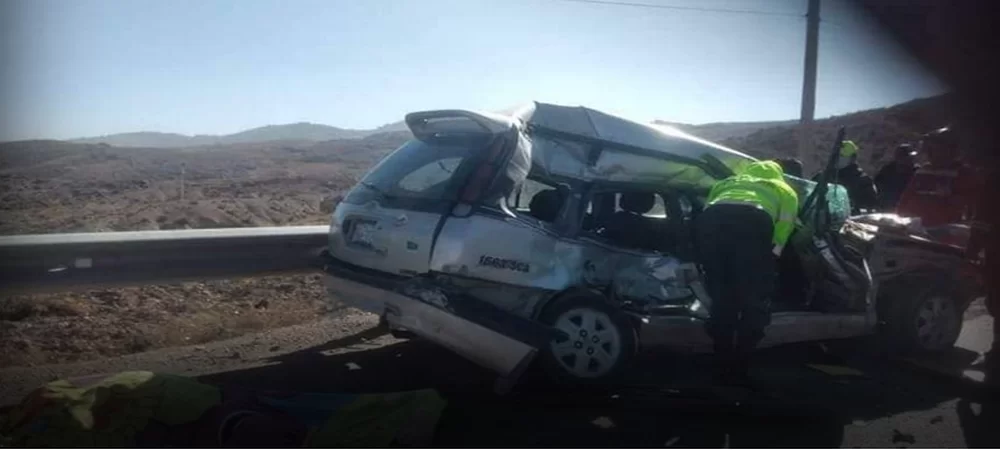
<point>665,401</point>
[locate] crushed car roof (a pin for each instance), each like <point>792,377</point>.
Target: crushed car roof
<point>593,124</point>
<point>564,139</point>
<point>586,144</point>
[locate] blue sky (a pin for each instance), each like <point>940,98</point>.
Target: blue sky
<point>73,68</point>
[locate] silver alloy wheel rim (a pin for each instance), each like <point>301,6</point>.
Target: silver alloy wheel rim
<point>936,323</point>
<point>593,344</point>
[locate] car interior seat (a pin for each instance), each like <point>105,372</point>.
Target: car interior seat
<point>628,227</point>
<point>545,205</point>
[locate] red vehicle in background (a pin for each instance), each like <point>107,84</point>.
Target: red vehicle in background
<point>945,194</point>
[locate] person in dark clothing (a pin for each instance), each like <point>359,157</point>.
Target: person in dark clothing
<point>791,166</point>
<point>892,179</point>
<point>745,226</point>
<point>860,187</point>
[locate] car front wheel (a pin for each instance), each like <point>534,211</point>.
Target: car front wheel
<point>929,321</point>
<point>597,341</point>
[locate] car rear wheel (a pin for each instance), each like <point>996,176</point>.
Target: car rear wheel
<point>929,321</point>
<point>598,340</point>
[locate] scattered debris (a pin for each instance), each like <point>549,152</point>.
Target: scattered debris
<point>975,375</point>
<point>603,423</point>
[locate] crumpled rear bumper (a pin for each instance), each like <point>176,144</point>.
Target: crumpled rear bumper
<point>493,339</point>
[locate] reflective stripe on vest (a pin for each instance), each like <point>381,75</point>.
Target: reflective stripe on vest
<point>737,202</point>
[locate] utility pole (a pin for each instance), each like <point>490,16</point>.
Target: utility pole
<point>809,80</point>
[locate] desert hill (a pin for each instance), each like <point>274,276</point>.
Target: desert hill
<point>302,131</point>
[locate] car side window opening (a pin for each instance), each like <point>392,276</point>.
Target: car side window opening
<point>537,199</point>
<point>631,219</point>
<point>658,210</point>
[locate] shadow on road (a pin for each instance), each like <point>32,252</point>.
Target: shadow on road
<point>510,424</point>
<point>474,417</point>
<point>364,368</point>
<point>808,405</point>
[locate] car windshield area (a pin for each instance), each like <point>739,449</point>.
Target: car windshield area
<point>421,170</point>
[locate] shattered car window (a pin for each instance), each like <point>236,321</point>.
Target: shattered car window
<point>418,170</point>
<point>836,197</point>
<point>429,175</point>
<point>520,199</point>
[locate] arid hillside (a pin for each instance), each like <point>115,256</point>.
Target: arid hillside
<point>57,187</point>
<point>876,131</point>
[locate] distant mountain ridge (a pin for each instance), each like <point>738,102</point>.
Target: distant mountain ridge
<point>302,131</point>
<point>877,130</point>
<point>718,131</point>
<point>312,132</point>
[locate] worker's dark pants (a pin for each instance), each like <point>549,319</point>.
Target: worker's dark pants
<point>734,249</point>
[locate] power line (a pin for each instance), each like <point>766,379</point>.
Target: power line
<point>687,8</point>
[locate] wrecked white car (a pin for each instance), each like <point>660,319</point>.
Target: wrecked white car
<point>562,235</point>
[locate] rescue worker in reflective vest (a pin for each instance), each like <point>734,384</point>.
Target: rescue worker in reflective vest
<point>740,235</point>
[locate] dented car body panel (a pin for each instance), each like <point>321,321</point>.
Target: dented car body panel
<point>487,219</point>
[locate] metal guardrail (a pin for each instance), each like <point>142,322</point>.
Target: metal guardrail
<point>61,262</point>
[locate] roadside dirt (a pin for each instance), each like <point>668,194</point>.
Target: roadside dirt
<point>66,327</point>
<point>58,187</point>
<point>331,333</point>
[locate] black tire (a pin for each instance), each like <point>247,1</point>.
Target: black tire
<point>924,320</point>
<point>608,321</point>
